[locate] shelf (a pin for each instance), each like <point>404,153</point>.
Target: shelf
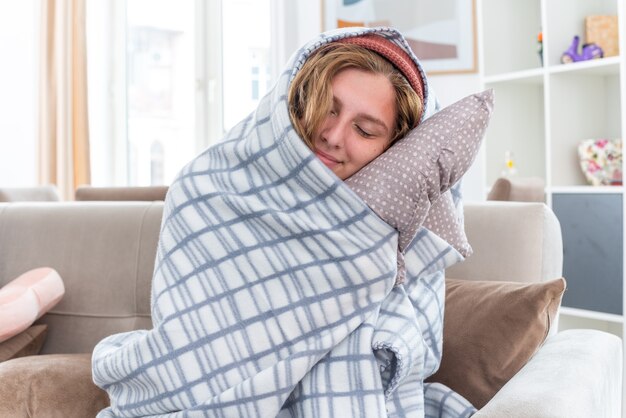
<point>601,67</point>
<point>544,109</point>
<point>587,189</point>
<point>604,66</point>
<point>533,76</point>
<point>582,313</point>
<point>543,112</point>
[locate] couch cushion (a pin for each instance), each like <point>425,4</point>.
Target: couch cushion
<point>26,343</point>
<point>491,329</point>
<point>55,385</point>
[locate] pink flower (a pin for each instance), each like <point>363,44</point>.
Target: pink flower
<point>592,167</point>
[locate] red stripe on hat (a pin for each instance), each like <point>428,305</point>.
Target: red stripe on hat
<point>396,55</point>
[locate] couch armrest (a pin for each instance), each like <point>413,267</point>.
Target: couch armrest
<point>576,373</point>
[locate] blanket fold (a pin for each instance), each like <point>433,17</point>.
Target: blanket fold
<point>273,291</point>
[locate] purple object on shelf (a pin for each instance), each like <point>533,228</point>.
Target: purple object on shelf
<point>589,52</point>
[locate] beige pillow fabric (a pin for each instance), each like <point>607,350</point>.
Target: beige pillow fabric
<point>26,343</point>
<point>491,330</point>
<point>402,183</point>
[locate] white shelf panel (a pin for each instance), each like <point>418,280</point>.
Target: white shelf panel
<point>582,313</point>
<point>587,189</point>
<point>604,66</point>
<point>533,76</point>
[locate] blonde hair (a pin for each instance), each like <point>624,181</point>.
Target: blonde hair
<point>310,93</point>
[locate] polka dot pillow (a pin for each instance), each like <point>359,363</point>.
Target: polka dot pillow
<point>402,184</point>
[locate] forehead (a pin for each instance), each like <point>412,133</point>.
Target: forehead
<point>365,93</point>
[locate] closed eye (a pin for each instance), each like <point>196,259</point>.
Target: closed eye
<point>363,133</point>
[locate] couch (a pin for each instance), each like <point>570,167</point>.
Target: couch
<point>104,251</point>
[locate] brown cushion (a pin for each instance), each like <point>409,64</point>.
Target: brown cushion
<point>491,330</point>
<point>518,189</point>
<point>52,385</point>
<point>26,343</point>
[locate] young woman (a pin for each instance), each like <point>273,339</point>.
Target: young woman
<point>274,285</point>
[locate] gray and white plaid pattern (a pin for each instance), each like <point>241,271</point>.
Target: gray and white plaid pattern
<point>273,291</point>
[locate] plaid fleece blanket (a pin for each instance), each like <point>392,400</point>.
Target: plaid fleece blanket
<point>273,291</point>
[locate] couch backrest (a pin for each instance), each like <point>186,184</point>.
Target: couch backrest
<point>132,194</point>
<point>512,241</point>
<point>104,252</point>
<point>29,194</point>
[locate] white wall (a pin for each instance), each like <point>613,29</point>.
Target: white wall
<point>309,18</point>
<point>449,89</point>
<point>18,79</point>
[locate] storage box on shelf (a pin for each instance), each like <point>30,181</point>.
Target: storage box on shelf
<point>543,110</point>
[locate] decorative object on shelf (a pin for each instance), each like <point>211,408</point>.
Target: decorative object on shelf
<point>589,52</point>
<point>601,161</point>
<point>509,165</point>
<point>540,46</point>
<point>602,31</point>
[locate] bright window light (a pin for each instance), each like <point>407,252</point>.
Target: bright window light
<point>149,107</point>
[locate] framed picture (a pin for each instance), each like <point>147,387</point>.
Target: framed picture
<point>442,34</point>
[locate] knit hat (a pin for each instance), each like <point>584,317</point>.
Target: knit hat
<point>396,55</point>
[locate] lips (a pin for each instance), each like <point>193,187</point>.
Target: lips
<point>328,160</point>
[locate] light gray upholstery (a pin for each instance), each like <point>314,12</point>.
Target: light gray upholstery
<point>30,194</point>
<point>103,251</point>
<point>513,241</point>
<point>577,373</point>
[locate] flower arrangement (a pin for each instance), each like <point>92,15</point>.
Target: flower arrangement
<point>601,161</point>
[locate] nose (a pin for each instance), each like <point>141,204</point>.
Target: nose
<point>334,132</point>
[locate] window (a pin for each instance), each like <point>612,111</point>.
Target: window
<point>19,23</point>
<point>255,83</point>
<point>160,87</point>
<point>167,78</point>
<point>156,163</point>
<point>246,56</point>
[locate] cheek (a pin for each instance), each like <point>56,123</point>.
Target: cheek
<point>378,147</point>
<point>366,151</point>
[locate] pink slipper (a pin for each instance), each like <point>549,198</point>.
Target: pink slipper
<point>27,298</point>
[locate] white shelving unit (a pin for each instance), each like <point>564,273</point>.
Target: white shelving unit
<point>545,108</point>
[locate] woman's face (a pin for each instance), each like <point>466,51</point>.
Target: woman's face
<point>360,124</point>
